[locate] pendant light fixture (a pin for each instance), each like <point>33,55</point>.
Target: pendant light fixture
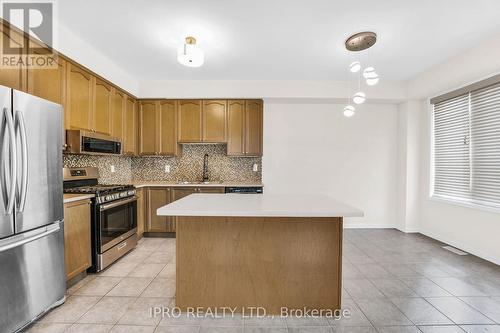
<point>355,43</point>
<point>189,54</point>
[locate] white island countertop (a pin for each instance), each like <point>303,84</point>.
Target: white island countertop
<point>265,205</point>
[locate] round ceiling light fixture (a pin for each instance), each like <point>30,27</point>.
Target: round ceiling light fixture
<point>189,54</point>
<point>349,111</point>
<point>359,97</point>
<point>361,41</point>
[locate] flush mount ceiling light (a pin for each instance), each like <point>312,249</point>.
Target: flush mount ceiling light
<point>189,54</point>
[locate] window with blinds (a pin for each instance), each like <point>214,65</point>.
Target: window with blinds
<point>466,146</point>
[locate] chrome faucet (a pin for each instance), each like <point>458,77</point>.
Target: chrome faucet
<point>205,168</point>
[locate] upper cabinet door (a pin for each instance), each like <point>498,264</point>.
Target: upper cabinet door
<point>253,128</point>
<point>102,107</point>
<point>236,127</point>
<point>16,77</point>
<point>48,83</point>
<point>214,121</point>
<point>118,114</point>
<point>147,128</point>
<point>189,121</point>
<point>167,127</point>
<point>130,134</point>
<point>79,97</point>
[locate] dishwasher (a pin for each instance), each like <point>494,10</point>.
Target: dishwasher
<point>244,189</point>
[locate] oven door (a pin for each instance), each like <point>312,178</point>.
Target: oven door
<point>117,221</point>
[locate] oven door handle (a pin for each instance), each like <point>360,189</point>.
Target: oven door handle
<point>117,203</point>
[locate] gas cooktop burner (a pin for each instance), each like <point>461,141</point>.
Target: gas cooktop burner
<point>98,189</point>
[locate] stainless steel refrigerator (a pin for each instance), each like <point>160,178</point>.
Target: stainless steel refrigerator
<point>32,273</point>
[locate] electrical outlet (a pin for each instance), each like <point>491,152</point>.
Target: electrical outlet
<point>167,168</point>
<point>255,167</point>
<point>112,168</point>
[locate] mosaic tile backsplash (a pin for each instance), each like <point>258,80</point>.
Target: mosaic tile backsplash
<point>186,167</point>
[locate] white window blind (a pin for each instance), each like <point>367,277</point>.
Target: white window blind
<point>485,144</point>
<point>451,148</point>
<point>467,147</point>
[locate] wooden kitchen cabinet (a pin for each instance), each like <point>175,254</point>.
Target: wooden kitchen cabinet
<point>118,114</point>
<point>80,97</point>
<point>157,128</point>
<point>50,84</point>
<point>130,127</point>
<point>16,77</point>
<point>211,190</point>
<point>181,192</point>
<point>77,237</point>
<point>147,128</point>
<point>159,197</point>
<point>214,121</point>
<point>202,121</point>
<point>167,144</point>
<point>141,211</point>
<point>245,120</point>
<point>236,127</point>
<point>101,111</point>
<point>253,127</point>
<point>47,83</point>
<point>189,120</point>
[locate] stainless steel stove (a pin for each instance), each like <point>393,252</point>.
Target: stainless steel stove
<point>114,215</point>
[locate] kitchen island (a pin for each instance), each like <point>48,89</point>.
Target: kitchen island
<point>243,251</point>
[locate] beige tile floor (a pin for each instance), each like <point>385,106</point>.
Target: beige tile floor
<point>393,282</point>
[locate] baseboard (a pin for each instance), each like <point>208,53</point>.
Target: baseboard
<point>460,245</point>
<point>366,226</point>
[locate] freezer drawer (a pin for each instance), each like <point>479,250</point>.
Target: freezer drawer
<point>32,276</point>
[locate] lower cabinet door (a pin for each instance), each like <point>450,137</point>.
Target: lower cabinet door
<point>158,197</point>
<point>77,237</point>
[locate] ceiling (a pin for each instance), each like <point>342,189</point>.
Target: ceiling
<point>278,39</point>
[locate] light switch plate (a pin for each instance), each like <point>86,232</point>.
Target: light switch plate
<point>167,168</point>
<point>255,167</point>
<point>112,168</point>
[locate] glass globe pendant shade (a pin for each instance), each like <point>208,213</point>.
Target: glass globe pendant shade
<point>359,97</point>
<point>349,111</point>
<point>355,67</point>
<point>369,73</point>
<point>372,81</point>
<point>189,54</point>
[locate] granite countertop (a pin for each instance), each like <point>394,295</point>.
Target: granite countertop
<point>263,205</point>
<point>76,197</point>
<point>140,184</point>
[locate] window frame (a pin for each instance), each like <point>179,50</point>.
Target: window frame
<point>466,203</point>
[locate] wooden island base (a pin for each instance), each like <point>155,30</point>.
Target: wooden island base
<point>268,262</point>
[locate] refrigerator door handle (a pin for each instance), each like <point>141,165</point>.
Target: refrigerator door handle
<point>28,237</point>
<point>21,125</point>
<point>11,194</point>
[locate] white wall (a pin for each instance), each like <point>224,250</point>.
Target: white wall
<point>470,229</point>
<point>313,148</point>
<point>85,54</point>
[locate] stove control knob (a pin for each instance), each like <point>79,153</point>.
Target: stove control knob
<point>131,192</point>
<point>108,197</point>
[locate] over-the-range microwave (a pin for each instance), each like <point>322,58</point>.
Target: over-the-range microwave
<point>86,142</point>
